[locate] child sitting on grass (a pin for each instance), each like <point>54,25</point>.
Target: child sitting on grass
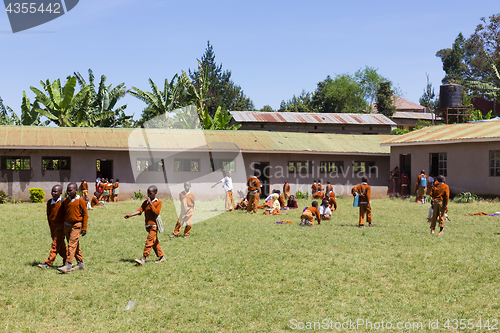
<point>151,208</point>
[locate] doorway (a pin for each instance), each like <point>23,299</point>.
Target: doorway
<point>405,165</point>
<point>264,169</point>
<point>104,168</point>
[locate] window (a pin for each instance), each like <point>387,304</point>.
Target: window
<point>495,163</point>
<point>302,167</point>
<point>187,165</point>
<point>146,164</point>
<point>225,165</point>
<point>56,163</point>
<point>16,163</point>
<point>329,167</point>
<point>438,164</point>
<point>363,166</point>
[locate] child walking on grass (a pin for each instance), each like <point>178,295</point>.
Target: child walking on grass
<point>75,225</point>
<point>186,216</point>
<point>55,217</point>
<point>151,208</point>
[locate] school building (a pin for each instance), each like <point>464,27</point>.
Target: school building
<point>468,155</point>
<point>43,156</point>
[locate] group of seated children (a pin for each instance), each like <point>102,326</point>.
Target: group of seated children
<point>106,191</point>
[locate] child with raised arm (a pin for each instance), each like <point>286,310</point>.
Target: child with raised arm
<point>187,208</point>
<point>55,217</point>
<point>151,208</point>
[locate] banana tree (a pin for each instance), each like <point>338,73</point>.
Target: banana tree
<point>5,118</point>
<point>220,121</point>
<point>159,102</point>
<point>61,105</point>
<point>101,110</point>
<point>491,89</point>
<point>198,94</point>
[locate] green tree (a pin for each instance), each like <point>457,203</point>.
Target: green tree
<point>159,102</point>
<point>103,102</point>
<point>428,99</point>
<point>62,106</point>
<point>7,115</point>
<point>369,80</point>
<point>385,103</point>
<point>454,61</point>
<point>222,91</point>
<point>342,94</point>
<point>301,103</point>
<point>267,108</point>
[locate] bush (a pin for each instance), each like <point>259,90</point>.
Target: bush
<point>3,197</point>
<point>138,195</point>
<point>398,131</point>
<point>37,195</point>
<point>301,195</point>
<point>465,197</point>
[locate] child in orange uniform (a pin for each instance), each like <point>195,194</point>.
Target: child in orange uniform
<point>186,216</point>
<point>308,215</point>
<point>364,191</point>
<point>95,200</point>
<point>84,186</point>
<point>440,197</point>
<point>151,207</point>
<point>286,191</point>
<point>253,187</point>
<point>75,224</point>
<point>55,217</point>
<point>116,191</point>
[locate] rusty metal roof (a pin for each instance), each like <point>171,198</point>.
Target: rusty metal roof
<point>314,118</point>
<point>402,104</point>
<point>455,133</point>
<point>415,115</point>
<point>32,137</point>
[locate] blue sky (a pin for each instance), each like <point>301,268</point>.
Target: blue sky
<point>274,49</point>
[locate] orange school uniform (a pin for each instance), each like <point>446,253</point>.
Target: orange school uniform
<point>75,221</point>
<point>186,217</point>
<point>440,194</point>
<point>253,187</point>
<point>309,214</point>
<point>150,215</point>
<point>286,191</point>
<point>55,217</point>
<point>364,191</point>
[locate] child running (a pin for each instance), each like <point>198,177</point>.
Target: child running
<point>151,208</point>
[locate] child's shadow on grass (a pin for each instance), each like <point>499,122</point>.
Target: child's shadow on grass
<point>128,260</point>
<point>496,233</point>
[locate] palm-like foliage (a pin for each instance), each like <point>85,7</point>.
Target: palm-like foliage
<point>220,121</point>
<point>101,108</point>
<point>7,115</point>
<point>198,94</point>
<point>159,102</point>
<point>61,105</point>
<point>491,88</point>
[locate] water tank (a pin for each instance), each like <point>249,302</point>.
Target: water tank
<point>450,96</point>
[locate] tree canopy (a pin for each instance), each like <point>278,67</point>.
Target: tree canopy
<point>341,94</point>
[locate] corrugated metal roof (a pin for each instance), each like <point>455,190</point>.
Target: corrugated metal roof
<point>164,139</point>
<point>314,118</point>
<point>468,132</point>
<point>415,115</point>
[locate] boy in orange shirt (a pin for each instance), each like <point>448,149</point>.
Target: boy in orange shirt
<point>75,224</point>
<point>440,196</point>
<point>116,190</point>
<point>84,186</point>
<point>186,216</point>
<point>253,187</point>
<point>55,217</point>
<point>95,201</point>
<point>308,214</point>
<point>151,208</point>
<point>364,191</point>
<point>286,191</point>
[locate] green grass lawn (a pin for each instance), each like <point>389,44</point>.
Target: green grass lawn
<point>245,273</point>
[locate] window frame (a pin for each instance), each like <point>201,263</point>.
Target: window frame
<point>292,167</point>
<point>185,162</point>
<point>52,159</point>
<point>494,165</point>
<point>18,159</point>
<point>143,164</point>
